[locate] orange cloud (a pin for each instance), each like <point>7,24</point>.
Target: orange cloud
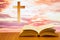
<point>46,1</point>
<point>4,16</point>
<point>3,4</point>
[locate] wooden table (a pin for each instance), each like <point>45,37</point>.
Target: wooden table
<point>9,34</point>
<point>40,38</point>
<point>13,34</point>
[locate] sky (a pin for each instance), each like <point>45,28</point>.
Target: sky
<point>32,9</point>
<point>36,12</point>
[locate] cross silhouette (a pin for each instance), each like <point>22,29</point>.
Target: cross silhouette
<point>18,10</point>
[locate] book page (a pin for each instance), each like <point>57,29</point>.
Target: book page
<point>40,28</point>
<point>29,27</point>
<point>37,29</point>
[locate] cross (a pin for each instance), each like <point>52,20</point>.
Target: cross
<point>18,10</point>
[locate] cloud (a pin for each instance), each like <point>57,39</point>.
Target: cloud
<point>3,4</point>
<point>7,24</point>
<point>4,16</point>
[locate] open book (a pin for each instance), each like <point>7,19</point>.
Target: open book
<point>45,31</point>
